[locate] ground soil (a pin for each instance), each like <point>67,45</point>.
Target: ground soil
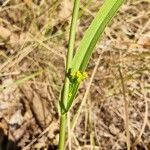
<point>33,45</point>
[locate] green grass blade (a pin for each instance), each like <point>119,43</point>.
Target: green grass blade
<point>93,33</point>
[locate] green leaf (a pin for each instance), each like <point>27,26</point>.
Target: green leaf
<point>93,33</point>
<point>91,36</point>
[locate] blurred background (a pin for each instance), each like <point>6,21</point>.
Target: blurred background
<point>33,45</point>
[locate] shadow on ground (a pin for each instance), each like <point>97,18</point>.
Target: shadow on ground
<point>6,144</point>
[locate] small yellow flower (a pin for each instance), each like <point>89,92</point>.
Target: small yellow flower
<point>78,74</point>
<point>84,74</point>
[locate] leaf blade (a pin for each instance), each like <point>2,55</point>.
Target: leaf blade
<point>93,33</point>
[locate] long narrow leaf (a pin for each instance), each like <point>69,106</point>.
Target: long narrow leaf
<point>93,33</point>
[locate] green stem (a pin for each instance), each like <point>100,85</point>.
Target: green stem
<point>72,33</point>
<point>65,91</point>
<point>62,131</point>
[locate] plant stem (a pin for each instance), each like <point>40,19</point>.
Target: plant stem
<point>62,132</point>
<point>72,33</point>
<point>65,91</point>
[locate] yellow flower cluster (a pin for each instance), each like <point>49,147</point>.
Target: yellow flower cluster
<point>79,76</point>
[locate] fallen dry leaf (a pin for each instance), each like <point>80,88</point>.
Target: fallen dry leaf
<point>41,112</point>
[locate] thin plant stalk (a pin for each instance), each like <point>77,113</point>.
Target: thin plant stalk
<point>75,66</point>
<point>65,91</point>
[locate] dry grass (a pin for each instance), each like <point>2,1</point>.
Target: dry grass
<point>33,42</point>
